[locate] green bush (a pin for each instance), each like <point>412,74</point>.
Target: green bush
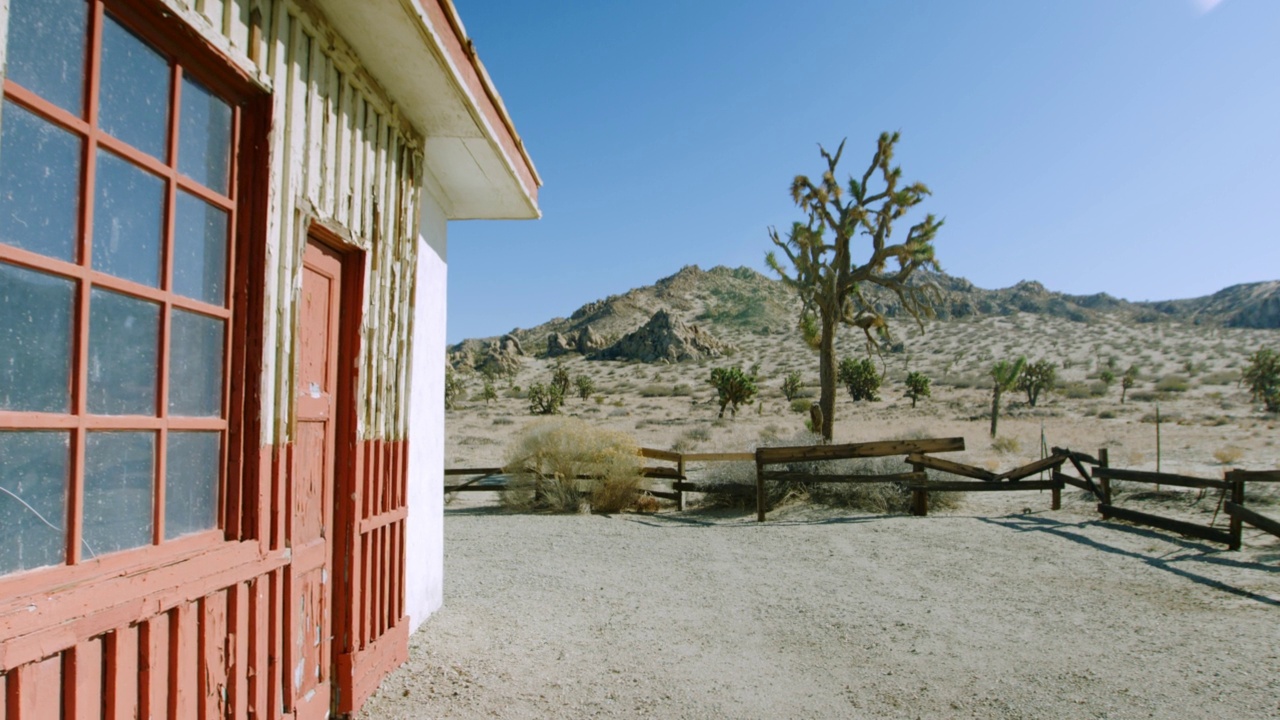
<point>917,386</point>
<point>791,385</point>
<point>454,388</point>
<point>860,378</point>
<point>1263,378</point>
<point>545,399</point>
<point>801,405</point>
<point>1173,383</point>
<point>585,386</point>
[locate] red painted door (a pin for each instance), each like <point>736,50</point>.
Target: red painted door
<point>312,489</point>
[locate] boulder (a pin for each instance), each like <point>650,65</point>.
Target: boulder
<point>665,338</point>
<point>558,344</point>
<point>502,357</point>
<point>589,341</point>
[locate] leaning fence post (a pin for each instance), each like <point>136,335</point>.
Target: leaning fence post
<point>759,487</point>
<point>679,492</point>
<point>1237,497</point>
<point>1104,482</point>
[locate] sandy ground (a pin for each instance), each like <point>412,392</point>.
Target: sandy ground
<point>988,612</point>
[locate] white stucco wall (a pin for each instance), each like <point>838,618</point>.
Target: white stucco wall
<point>424,548</point>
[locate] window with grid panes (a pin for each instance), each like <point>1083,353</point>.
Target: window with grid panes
<point>117,216</point>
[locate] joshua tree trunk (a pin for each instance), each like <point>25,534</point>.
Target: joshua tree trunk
<point>827,377</point>
<point>995,409</point>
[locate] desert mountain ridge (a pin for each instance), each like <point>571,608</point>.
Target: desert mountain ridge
<point>735,300</point>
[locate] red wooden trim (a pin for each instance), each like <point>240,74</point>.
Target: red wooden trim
<point>379,521</point>
<point>122,673</point>
<point>368,667</point>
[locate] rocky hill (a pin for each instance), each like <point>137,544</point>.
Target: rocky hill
<point>708,304</point>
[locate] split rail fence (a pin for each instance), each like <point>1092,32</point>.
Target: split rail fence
<point>795,464</point>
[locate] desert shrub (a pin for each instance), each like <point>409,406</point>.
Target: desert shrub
<point>503,421</point>
<point>561,464</point>
<point>1107,377</point>
<point>1107,414</point>
<point>655,390</point>
<point>1076,391</point>
<point>860,378</point>
<point>681,390</point>
<point>545,399</point>
<point>585,386</point>
<point>733,387</point>
<point>791,385</point>
<point>1224,377</point>
<point>1228,455</point>
<point>1173,383</point>
<point>1144,396</point>
<point>1006,445</point>
<point>801,405</point>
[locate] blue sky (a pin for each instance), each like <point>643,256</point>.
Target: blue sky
<point>1125,146</point>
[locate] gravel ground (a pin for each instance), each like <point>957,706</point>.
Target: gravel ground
<point>989,612</point>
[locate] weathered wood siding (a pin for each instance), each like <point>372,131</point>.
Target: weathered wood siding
<point>208,637</point>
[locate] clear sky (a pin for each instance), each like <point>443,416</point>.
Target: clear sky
<point>1125,146</point>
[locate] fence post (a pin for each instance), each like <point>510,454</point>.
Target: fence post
<point>1237,497</point>
<point>920,498</point>
<point>1104,483</point>
<point>759,488</point>
<point>679,492</point>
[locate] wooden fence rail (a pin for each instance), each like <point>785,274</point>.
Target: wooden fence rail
<point>1094,476</point>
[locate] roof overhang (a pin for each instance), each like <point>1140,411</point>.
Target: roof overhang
<point>419,52</point>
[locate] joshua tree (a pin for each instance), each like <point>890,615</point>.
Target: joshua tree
<point>1127,381</point>
<point>791,385</point>
<point>917,386</point>
<point>1263,378</point>
<point>734,388</point>
<point>1040,376</point>
<point>823,270</point>
<point>560,379</point>
<point>1005,374</point>
<point>489,393</point>
<point>860,378</point>
<point>453,388</point>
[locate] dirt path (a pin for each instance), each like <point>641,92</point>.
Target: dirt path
<point>979,614</point>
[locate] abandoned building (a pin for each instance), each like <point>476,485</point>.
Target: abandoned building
<point>222,307</point>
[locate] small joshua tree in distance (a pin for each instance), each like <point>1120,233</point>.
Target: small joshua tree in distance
<point>917,386</point>
<point>734,388</point>
<point>791,385</point>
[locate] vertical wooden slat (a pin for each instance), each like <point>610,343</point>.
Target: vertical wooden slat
<point>315,102</point>
<point>183,661</point>
<point>278,203</point>
<point>122,674</point>
<point>239,32</point>
<point>4,679</point>
<point>212,655</point>
<point>153,667</point>
<point>82,680</point>
<point>237,668</point>
<point>277,687</point>
<point>213,12</point>
<point>345,139</point>
<point>332,123</point>
<point>355,222</point>
<point>257,672</point>
<point>35,690</point>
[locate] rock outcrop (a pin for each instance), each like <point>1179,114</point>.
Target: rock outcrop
<point>558,344</point>
<point>664,338</point>
<point>589,341</point>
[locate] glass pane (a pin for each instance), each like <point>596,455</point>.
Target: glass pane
<point>35,340</point>
<point>33,499</point>
<point>39,185</point>
<point>191,483</point>
<point>118,472</point>
<point>47,44</point>
<point>133,102</point>
<point>124,334</point>
<point>204,136</point>
<point>127,219</point>
<point>200,250</point>
<point>195,365</point>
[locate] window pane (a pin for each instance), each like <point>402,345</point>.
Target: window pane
<point>133,103</point>
<point>39,185</point>
<point>204,136</point>
<point>195,369</point>
<point>33,499</point>
<point>200,250</point>
<point>124,335</point>
<point>47,40</point>
<point>191,483</point>
<point>35,340</point>
<point>118,472</point>
<point>127,220</point>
